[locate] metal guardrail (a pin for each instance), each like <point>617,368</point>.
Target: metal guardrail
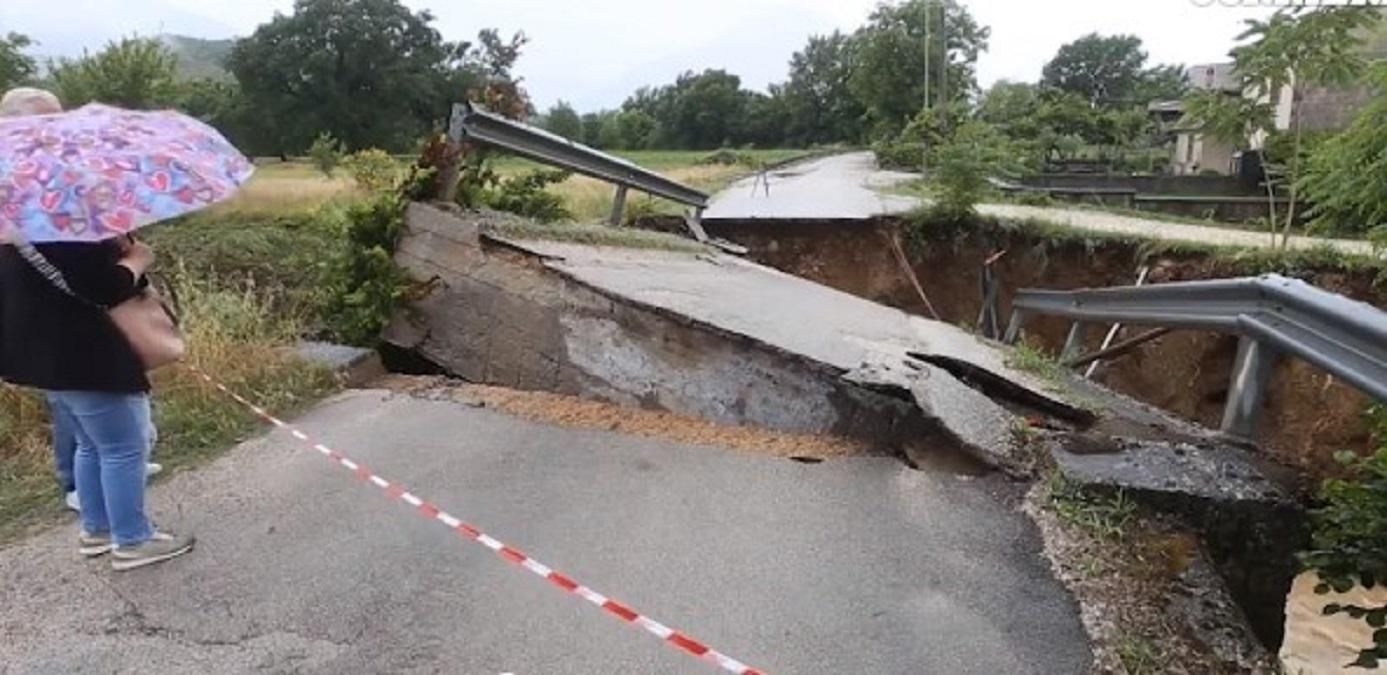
<point>473,123</point>
<point>1272,314</point>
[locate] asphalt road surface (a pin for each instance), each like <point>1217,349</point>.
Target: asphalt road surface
<point>849,566</point>
<point>850,186</point>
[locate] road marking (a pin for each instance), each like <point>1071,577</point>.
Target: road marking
<point>510,554</point>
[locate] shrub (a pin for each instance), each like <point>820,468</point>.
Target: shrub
<point>525,195</point>
<point>1349,544</point>
<point>729,157</point>
<point>326,153</point>
<point>1034,198</point>
<point>374,170</point>
<point>928,131</point>
<point>894,154</point>
<point>364,285</point>
<point>962,166</point>
<point>1343,181</point>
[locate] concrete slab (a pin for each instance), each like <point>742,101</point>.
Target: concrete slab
<point>777,309</point>
<point>849,566</point>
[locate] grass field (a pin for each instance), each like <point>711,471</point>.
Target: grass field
<point>282,187</point>
<point>590,200</point>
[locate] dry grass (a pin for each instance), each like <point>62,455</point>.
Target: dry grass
<point>241,335</point>
<point>286,187</point>
<point>590,200</point>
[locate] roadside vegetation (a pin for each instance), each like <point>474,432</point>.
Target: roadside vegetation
<point>1128,563</point>
<point>1349,546</point>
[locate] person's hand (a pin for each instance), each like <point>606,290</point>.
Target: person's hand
<point>137,257</point>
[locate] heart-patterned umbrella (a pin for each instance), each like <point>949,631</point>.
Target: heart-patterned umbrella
<point>100,172</point>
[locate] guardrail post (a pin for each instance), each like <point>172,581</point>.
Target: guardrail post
<point>618,205</point>
<point>449,173</point>
<point>1074,343</point>
<point>1252,372</point>
<point>1014,327</point>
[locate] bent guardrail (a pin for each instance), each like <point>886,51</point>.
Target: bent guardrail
<point>1272,314</point>
<point>471,122</point>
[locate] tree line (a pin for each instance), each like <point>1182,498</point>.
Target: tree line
<point>371,73</point>
<point>896,80</point>
<point>842,88</point>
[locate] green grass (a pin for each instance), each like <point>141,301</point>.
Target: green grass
<point>1104,516</point>
<point>1239,260</point>
<point>1139,656</point>
<point>1031,359</point>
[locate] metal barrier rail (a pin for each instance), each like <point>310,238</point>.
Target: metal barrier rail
<point>1272,314</point>
<point>473,123</point>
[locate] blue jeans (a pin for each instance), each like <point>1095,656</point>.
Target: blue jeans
<point>112,433</point>
<point>65,446</point>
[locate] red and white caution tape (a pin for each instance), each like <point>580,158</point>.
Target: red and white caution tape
<point>666,634</point>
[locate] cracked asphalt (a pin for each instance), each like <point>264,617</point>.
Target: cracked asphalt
<point>849,566</point>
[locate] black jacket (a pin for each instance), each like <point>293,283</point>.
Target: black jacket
<point>52,341</point>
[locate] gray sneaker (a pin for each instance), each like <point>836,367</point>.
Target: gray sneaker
<point>160,547</point>
<point>93,545</point>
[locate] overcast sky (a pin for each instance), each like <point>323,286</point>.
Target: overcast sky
<point>595,52</point>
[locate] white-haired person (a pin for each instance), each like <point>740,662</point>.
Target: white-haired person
<point>26,101</point>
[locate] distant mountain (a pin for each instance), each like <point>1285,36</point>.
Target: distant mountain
<point>199,58</point>
<point>66,29</point>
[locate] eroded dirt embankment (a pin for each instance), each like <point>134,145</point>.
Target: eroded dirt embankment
<point>1310,414</point>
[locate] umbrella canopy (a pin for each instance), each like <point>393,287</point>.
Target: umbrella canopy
<point>100,172</point>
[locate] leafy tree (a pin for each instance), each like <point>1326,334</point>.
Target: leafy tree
<point>563,120</point>
<point>592,129</point>
<point>326,153</point>
<point>1294,49</point>
<point>1162,83</point>
<point>486,74</point>
<point>370,72</point>
<point>699,111</point>
<point>819,101</point>
<point>609,136</point>
<point>709,105</point>
<point>635,128</point>
<point>16,67</point>
<point>130,73</point>
<point>888,75</point>
<point>1343,180</point>
<point>765,119</point>
<point>1010,105</point>
<point>1100,69</point>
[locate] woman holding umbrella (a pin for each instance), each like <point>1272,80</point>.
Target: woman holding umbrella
<point>29,101</point>
<point>74,299</point>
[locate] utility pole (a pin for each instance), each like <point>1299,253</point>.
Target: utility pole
<point>924,141</point>
<point>944,62</point>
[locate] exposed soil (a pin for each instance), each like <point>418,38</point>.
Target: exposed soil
<point>1149,598</point>
<point>1310,414</point>
<point>575,412</point>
